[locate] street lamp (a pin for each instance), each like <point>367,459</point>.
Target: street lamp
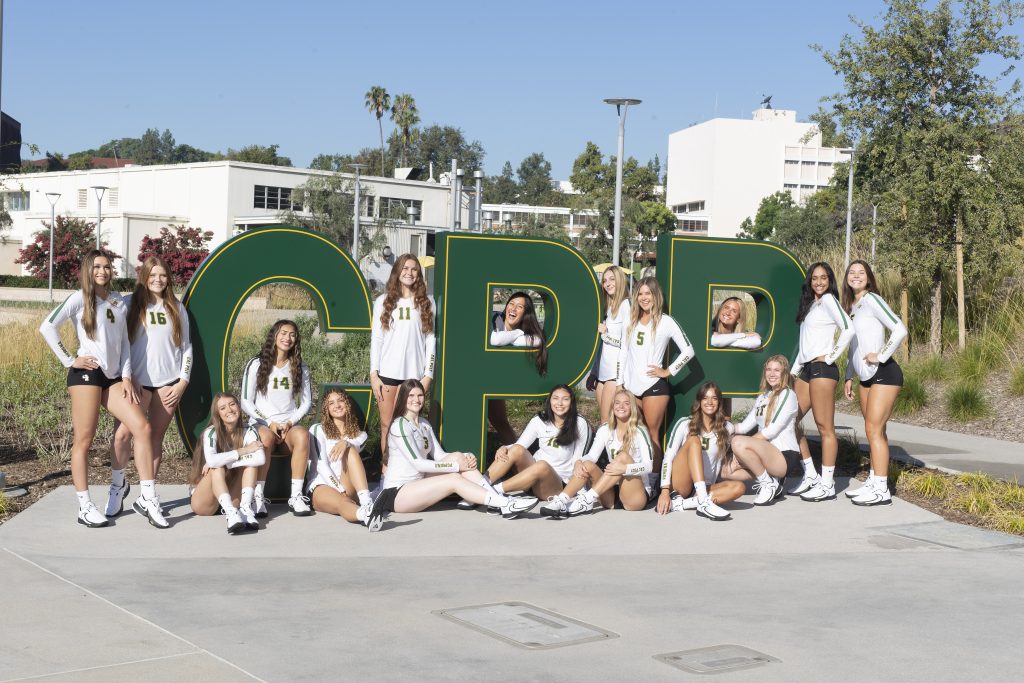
<point>459,174</point>
<point>355,220</point>
<point>849,206</point>
<point>477,213</point>
<point>52,197</point>
<point>99,189</point>
<point>621,105</point>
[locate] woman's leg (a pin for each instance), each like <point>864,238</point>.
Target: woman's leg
<point>131,416</point>
<point>539,476</point>
<point>605,398</point>
<point>160,417</point>
<point>759,456</point>
<point>418,495</point>
<point>353,474</point>
<point>823,405</point>
<point>633,494</point>
<point>270,442</point>
<point>497,415</point>
<point>386,407</point>
<point>334,502</point>
<point>204,497</point>
<point>514,456</point>
<point>297,439</point>
<point>877,409</point>
<point>85,415</point>
<point>803,395</point>
<point>653,409</point>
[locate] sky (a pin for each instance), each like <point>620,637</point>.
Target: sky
<point>519,77</point>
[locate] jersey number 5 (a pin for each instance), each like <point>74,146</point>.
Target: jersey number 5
<point>639,338</point>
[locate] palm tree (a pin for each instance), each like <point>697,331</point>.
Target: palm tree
<point>405,115</point>
<point>377,102</point>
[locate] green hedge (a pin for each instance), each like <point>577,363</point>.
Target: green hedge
<point>121,284</point>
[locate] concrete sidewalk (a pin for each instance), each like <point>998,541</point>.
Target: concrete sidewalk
<point>829,590</point>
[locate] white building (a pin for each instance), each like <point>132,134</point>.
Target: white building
<point>720,170</point>
<point>225,197</point>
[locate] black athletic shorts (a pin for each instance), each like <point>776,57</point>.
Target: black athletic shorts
<point>889,373</point>
<point>819,370</point>
<point>387,381</point>
<point>90,378</point>
<point>169,384</point>
<point>659,388</point>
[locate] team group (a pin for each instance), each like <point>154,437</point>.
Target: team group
<point>134,358</point>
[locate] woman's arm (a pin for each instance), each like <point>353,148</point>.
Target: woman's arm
<point>897,330</point>
<point>736,340</point>
<point>50,327</point>
<point>213,458</point>
<point>376,335</point>
<point>843,322</point>
<point>749,422</point>
<point>579,447</point>
<point>683,344</point>
<point>645,464</point>
<point>305,396</point>
<point>407,447</point>
<point>506,337</point>
<point>248,397</point>
<point>251,454</point>
<point>186,345</point>
<point>599,444</point>
<point>785,413</point>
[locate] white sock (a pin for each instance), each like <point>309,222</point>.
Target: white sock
<point>827,473</point>
<point>247,494</point>
<point>701,490</point>
<point>764,477</point>
<point>809,470</point>
<point>881,483</point>
<point>258,491</point>
<point>564,497</point>
<point>495,500</point>
<point>361,514</point>
<point>117,478</point>
<point>364,497</point>
<point>296,487</point>
<point>589,495</point>
<point>498,488</point>
<point>84,500</point>
<point>871,474</point>
<point>489,487</point>
<point>225,502</point>
<point>148,489</point>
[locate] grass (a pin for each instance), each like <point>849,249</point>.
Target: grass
<point>4,504</point>
<point>996,504</point>
<point>966,402</point>
<point>929,368</point>
<point>926,483</point>
<point>1017,381</point>
<point>912,397</point>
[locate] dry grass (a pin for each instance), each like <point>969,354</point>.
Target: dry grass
<point>995,504</point>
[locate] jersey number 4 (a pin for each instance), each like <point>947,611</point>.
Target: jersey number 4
<point>110,316</point>
<point>282,383</point>
<point>157,318</point>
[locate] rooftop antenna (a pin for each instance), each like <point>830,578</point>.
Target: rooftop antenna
<point>766,103</point>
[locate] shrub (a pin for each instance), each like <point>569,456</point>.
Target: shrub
<point>925,483</point>
<point>931,367</point>
<point>976,481</point>
<point>72,238</point>
<point>965,402</point>
<point>1017,381</point>
<point>184,249</point>
<point>912,396</point>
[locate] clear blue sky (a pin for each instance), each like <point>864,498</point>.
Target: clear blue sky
<point>521,79</point>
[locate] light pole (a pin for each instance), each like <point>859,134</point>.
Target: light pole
<point>621,105</point>
<point>355,218</point>
<point>849,207</point>
<point>52,197</point>
<point>478,175</point>
<point>99,189</point>
<point>874,220</point>
<point>459,175</point>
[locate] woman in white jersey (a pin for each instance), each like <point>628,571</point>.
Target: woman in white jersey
<point>339,486</point>
<point>766,454</point>
<point>402,337</point>
<point>617,308</point>
<point>628,446</point>
<point>561,435</point>
<point>698,465</point>
<point>225,465</point>
<point>820,317</point>
<point>517,325</point>
<point>100,374</point>
<point>276,394</point>
<point>421,473</point>
<point>727,330</point>
<point>641,365</point>
<point>870,360</point>
<point>161,364</point>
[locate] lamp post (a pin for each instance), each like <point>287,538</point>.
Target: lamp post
<point>459,175</point>
<point>874,220</point>
<point>99,190</point>
<point>355,218</point>
<point>52,197</point>
<point>621,105</point>
<point>849,207</point>
<point>478,209</point>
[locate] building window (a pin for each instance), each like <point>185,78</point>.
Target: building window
<point>395,209</point>
<point>83,198</point>
<point>17,201</point>
<point>277,198</point>
<point>113,196</point>
<point>687,225</point>
<point>689,207</point>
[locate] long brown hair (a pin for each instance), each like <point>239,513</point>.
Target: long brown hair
<point>786,383</point>
<point>268,358</point>
<point>403,396</point>
<point>349,423</point>
<point>141,295</point>
<point>657,304</point>
<point>227,438</point>
<point>718,420</point>
<point>89,288</point>
<point>531,327</point>
<point>393,292</point>
<point>849,296</point>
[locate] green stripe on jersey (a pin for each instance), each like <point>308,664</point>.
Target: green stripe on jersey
<point>885,308</point>
<point>678,425</point>
<point>781,406</point>
<point>58,309</point>
<point>647,438</point>
<point>210,437</point>
<point>842,313</point>
<point>245,378</point>
<point>401,428</point>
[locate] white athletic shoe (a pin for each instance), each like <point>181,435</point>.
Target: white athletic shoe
<point>805,485</point>
<point>259,506</point>
<point>707,508</point>
<point>366,511</point>
<point>115,499</point>
<point>556,508</point>
<point>579,505</point>
<point>234,521</point>
<point>679,503</point>
<point>517,505</point>
<point>300,506</point>
<point>819,492</point>
<point>873,495</point>
<point>766,493</point>
<point>864,487</point>
<point>464,504</point>
<point>249,518</point>
<point>91,517</point>
<point>150,509</point>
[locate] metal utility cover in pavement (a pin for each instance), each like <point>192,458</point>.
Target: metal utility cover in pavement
<point>525,625</point>
<point>952,535</point>
<point>716,659</point>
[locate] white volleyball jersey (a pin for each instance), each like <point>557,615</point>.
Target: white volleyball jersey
<point>640,349</point>
<point>110,347</point>
<point>277,404</point>
<point>779,427</point>
<point>606,440</point>
<point>871,318</point>
<point>328,471</point>
<point>155,357</point>
<point>735,340</point>
<point>504,337</point>
<point>404,350</point>
<point>611,340</point>
<point>561,458</point>
<point>414,452</point>
<point>818,332</point>
<point>713,454</point>
<point>230,458</point>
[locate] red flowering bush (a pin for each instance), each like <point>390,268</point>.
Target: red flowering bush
<point>183,249</point>
<point>72,238</point>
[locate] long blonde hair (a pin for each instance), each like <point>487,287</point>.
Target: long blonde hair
<point>632,423</point>
<point>89,288</point>
<point>140,299</point>
<point>739,318</point>
<point>657,303</point>
<point>612,303</point>
<point>227,438</point>
<point>786,383</point>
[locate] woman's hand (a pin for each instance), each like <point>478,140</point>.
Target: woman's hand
<point>602,328</point>
<point>128,390</point>
<point>848,389</point>
<point>469,462</point>
<point>578,470</point>
<point>278,430</point>
<point>871,358</point>
<point>171,396</point>
<point>615,469</point>
<point>501,455</point>
<point>664,502</point>
<point>377,386</point>
<point>250,448</point>
<point>657,371</point>
<point>426,382</point>
<point>338,450</point>
<point>85,363</point>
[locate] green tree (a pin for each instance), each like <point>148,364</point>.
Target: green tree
<point>259,154</point>
<point>405,116</point>
<point>771,212</point>
<point>922,112</point>
<point>501,189</point>
<point>534,180</point>
<point>378,101</point>
<point>439,145</point>
<point>341,162</point>
<point>653,218</point>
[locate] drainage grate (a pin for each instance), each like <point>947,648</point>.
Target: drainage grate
<point>525,625</point>
<point>952,535</point>
<point>716,659</point>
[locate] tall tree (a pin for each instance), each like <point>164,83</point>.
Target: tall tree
<point>378,102</point>
<point>534,180</point>
<point>405,115</point>
<point>922,113</point>
<point>258,154</point>
<point>501,189</point>
<point>440,144</point>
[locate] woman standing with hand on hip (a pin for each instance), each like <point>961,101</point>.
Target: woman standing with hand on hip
<point>870,359</point>
<point>617,307</point>
<point>820,316</point>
